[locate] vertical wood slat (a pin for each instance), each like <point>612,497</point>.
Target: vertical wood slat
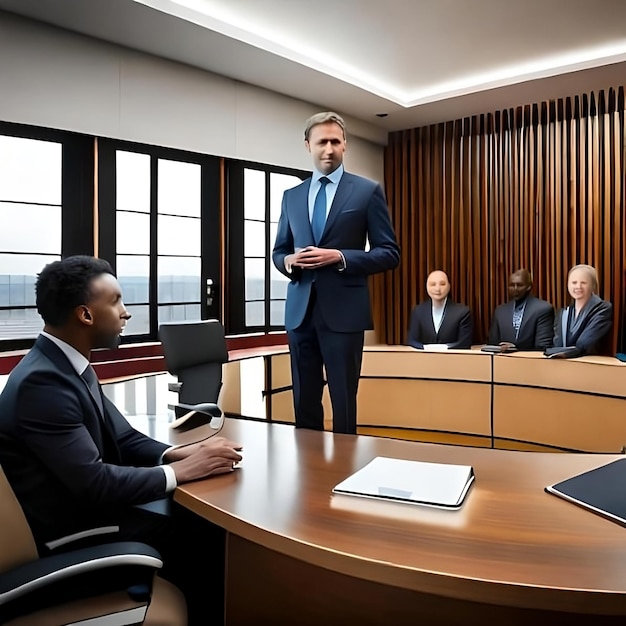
<point>541,187</point>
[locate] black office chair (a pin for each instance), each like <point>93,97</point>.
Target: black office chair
<point>108,583</point>
<point>194,353</point>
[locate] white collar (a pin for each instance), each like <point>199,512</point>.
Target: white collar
<point>78,361</point>
<point>334,177</point>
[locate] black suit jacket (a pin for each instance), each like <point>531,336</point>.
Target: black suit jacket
<point>455,329</point>
<point>71,468</point>
<point>589,337</point>
<point>536,330</point>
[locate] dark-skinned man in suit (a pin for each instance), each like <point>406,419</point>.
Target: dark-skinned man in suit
<point>524,322</point>
<point>74,461</point>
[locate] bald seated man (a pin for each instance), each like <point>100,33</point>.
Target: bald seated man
<point>439,320</point>
<point>524,322</point>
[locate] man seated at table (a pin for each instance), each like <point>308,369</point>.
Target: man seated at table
<point>439,320</point>
<point>524,322</point>
<point>74,461</point>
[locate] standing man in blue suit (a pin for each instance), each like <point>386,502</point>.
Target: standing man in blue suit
<point>320,245</point>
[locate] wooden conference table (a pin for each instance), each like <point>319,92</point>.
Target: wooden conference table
<point>513,554</point>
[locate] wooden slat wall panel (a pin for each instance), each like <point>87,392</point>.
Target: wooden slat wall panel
<point>541,187</point>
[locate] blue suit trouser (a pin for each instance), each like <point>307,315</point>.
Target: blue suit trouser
<point>314,347</point>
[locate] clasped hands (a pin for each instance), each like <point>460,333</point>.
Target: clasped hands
<point>313,257</point>
<point>507,345</point>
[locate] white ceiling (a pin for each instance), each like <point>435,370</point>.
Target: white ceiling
<point>418,61</point>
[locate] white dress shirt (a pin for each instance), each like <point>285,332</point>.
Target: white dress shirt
<point>438,311</point>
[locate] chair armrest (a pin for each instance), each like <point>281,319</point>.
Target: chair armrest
<point>193,415</point>
<point>76,574</point>
<point>206,408</point>
<point>84,534</point>
<point>175,387</point>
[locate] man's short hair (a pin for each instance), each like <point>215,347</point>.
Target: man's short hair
<point>63,285</point>
<point>525,275</point>
<point>324,118</point>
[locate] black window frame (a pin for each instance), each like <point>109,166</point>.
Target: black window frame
<point>77,196</point>
<point>211,193</point>
<point>235,302</point>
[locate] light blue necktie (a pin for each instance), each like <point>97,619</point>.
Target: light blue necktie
<point>318,221</point>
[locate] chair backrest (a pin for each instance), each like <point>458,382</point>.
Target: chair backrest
<point>17,545</point>
<point>195,352</point>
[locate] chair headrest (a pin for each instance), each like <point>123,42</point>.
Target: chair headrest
<point>186,344</point>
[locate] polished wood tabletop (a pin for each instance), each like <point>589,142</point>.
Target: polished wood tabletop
<point>511,544</point>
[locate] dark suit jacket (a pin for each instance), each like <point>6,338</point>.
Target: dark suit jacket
<point>358,212</point>
<point>537,326</point>
<point>69,468</point>
<point>590,335</point>
<point>455,329</point>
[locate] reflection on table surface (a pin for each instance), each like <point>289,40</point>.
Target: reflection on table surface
<point>511,544</point>
<point>144,402</point>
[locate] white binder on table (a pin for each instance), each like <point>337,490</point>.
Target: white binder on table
<point>417,482</point>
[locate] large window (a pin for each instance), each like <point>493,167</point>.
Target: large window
<point>160,228</point>
<point>257,291</point>
<point>132,236</point>
<point>161,219</point>
<point>41,217</point>
<point>179,242</point>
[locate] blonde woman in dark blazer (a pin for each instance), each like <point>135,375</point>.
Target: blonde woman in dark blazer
<point>584,324</point>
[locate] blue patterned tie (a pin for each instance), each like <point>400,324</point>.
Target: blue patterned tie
<point>318,221</point>
<point>518,314</point>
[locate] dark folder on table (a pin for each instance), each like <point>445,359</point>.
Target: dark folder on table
<point>498,349</point>
<point>601,490</point>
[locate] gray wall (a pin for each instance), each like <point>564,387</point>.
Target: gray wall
<point>53,78</point>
